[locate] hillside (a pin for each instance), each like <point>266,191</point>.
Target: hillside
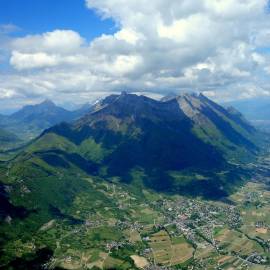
<point>8,139</point>
<point>6,136</point>
<point>189,121</point>
<point>106,182</point>
<point>126,133</point>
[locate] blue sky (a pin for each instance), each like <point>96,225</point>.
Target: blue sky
<point>38,16</point>
<point>66,51</point>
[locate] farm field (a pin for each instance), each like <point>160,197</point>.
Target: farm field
<point>113,226</point>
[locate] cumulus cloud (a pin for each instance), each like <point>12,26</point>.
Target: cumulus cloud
<point>62,41</point>
<point>162,46</point>
<point>23,61</point>
<point>34,60</point>
<point>207,45</point>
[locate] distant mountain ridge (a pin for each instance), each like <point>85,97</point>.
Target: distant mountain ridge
<point>256,110</point>
<point>31,120</point>
<point>46,111</point>
<point>253,108</point>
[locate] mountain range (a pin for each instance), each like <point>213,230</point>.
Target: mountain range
<point>127,133</point>
<point>31,120</point>
<point>74,178</point>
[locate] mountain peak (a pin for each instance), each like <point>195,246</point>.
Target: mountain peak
<point>130,131</point>
<point>124,93</point>
<point>47,102</point>
<point>186,95</point>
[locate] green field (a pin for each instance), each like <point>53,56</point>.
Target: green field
<point>87,222</point>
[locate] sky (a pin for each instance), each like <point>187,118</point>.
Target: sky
<point>75,51</point>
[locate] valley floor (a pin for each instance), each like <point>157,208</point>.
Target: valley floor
<point>137,229</point>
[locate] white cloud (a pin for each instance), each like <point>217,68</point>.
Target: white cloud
<point>161,46</point>
<point>127,35</point>
<point>60,41</point>
<point>22,61</point>
<point>231,9</point>
<point>193,28</point>
<point>36,60</point>
<point>7,93</point>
